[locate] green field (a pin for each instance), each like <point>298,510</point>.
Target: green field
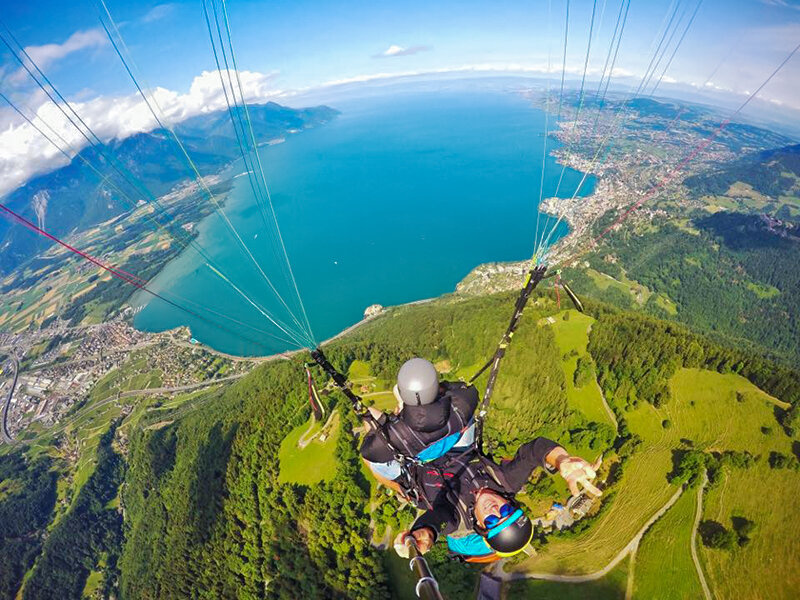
<point>743,198</point>
<point>763,291</point>
<point>604,281</point>
<point>610,587</point>
<point>384,401</point>
<point>374,391</point>
<point>663,565</point>
<point>769,498</point>
<point>359,371</point>
<point>573,335</point>
<point>314,463</point>
<point>704,409</point>
<point>93,583</point>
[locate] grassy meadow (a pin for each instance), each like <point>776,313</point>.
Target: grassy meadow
<point>716,412</point>
<point>316,461</point>
<point>572,336</point>
<point>663,562</point>
<point>610,587</point>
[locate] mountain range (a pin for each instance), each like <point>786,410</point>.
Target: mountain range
<point>72,197</point>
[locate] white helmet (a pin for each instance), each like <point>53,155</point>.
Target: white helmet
<point>417,382</point>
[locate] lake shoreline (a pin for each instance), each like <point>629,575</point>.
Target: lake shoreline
<point>334,184</point>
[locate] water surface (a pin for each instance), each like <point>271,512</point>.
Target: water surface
<point>395,200</point>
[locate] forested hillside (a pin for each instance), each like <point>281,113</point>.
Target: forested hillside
<point>729,274</point>
<point>773,173</point>
<point>205,515</point>
<point>27,496</point>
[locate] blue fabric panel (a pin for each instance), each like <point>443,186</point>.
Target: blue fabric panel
<point>440,448</point>
<point>469,545</point>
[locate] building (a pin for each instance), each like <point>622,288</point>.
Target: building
<point>580,505</point>
<point>373,310</point>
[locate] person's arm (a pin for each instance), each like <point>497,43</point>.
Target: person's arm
<point>531,455</point>
<point>542,452</point>
<point>442,518</point>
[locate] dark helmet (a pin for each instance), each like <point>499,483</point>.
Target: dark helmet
<point>511,535</point>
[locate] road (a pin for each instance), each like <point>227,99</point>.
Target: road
<point>630,547</point>
<point>697,517</point>
<point>180,388</point>
<point>62,425</point>
<point>607,408</point>
<point>6,436</point>
<point>256,359</point>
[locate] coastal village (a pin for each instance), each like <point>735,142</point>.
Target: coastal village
<point>641,168</point>
<point>45,374</point>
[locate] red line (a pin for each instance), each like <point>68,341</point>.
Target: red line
<point>654,190</point>
<point>124,275</point>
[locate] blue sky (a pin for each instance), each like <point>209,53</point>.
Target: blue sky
<point>309,43</point>
<point>291,47</point>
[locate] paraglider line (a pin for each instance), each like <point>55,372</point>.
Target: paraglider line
<point>697,150</point>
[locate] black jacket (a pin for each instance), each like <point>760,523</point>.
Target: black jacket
<point>451,488</point>
<point>417,427</point>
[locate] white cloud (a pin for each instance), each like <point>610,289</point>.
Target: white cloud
<point>782,4</point>
<point>48,54</point>
<point>24,153</point>
<point>713,86</point>
<point>158,12</point>
<point>620,72</point>
<point>541,69</point>
<point>394,50</point>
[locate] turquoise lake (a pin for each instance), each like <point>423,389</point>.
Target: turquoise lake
<point>395,200</point>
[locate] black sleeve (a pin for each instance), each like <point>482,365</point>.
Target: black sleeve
<point>464,396</point>
<point>442,518</point>
<point>374,449</point>
<point>528,457</point>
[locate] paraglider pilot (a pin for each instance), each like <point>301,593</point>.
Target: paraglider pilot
<point>432,419</point>
<point>473,503</point>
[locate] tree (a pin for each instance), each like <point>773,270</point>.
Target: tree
<point>744,529</point>
<point>714,535</point>
<point>687,465</point>
<point>781,461</point>
<point>584,371</point>
<point>791,419</point>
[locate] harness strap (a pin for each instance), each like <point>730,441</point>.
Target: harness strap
<point>409,481</point>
